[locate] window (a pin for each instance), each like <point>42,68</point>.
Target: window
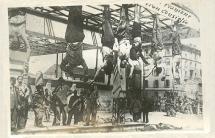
<point>146,85</point>
<point>167,84</point>
<point>191,73</point>
<point>156,84</point>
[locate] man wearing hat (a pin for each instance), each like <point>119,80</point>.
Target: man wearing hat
<point>38,100</point>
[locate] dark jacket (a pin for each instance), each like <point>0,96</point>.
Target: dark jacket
<point>74,102</point>
<point>146,105</point>
<point>135,106</point>
<point>38,99</point>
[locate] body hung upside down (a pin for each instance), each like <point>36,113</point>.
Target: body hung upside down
<point>74,37</point>
<point>108,42</point>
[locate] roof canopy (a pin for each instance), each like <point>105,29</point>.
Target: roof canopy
<point>93,18</point>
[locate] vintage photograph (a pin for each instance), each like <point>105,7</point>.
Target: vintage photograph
<point>133,67</point>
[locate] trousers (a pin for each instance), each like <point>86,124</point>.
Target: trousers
<point>38,112</point>
<point>145,117</point>
<point>75,113</point>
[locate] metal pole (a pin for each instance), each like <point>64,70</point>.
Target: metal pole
<point>56,70</point>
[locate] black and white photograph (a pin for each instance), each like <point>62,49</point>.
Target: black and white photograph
<point>104,68</point>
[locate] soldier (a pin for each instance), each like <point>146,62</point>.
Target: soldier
<point>74,108</point>
<point>38,99</point>
<point>55,101</point>
<point>38,107</point>
<point>92,105</point>
<point>60,102</point>
<point>22,105</point>
<point>13,104</point>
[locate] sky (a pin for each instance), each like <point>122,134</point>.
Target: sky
<point>42,63</point>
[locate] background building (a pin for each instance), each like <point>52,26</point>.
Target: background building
<point>180,73</point>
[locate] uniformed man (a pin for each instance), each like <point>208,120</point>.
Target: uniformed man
<point>59,102</point>
<point>38,105</point>
<point>92,105</point>
<point>55,101</point>
<point>74,108</point>
<point>22,105</point>
<point>13,104</point>
<point>38,99</point>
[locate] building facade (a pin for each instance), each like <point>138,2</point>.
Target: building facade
<point>180,74</point>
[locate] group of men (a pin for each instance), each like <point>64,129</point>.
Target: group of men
<point>65,102</point>
<point>140,106</point>
<point>80,104</point>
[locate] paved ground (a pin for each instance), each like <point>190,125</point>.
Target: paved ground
<point>184,121</point>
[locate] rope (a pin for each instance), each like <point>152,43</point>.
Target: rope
<point>150,72</point>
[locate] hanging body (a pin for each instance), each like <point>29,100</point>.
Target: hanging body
<point>74,37</point>
<point>74,30</point>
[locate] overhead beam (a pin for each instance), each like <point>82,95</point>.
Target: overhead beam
<point>41,48</point>
<point>56,18</point>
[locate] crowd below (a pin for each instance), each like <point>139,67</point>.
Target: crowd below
<point>66,102</point>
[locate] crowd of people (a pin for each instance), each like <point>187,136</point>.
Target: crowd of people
<point>172,103</point>
<point>64,103</point>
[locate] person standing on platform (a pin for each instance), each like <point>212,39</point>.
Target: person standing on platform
<point>13,104</point>
<point>22,103</point>
<point>38,99</point>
